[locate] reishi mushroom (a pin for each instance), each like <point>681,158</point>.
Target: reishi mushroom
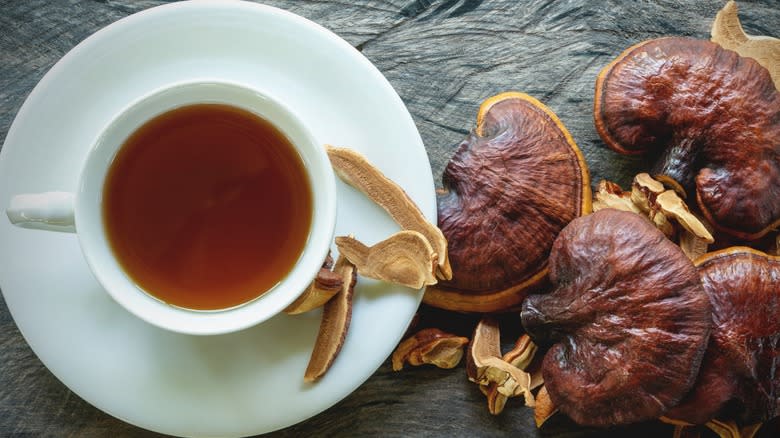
<point>741,366</point>
<point>711,116</point>
<point>510,188</point>
<point>628,321</point>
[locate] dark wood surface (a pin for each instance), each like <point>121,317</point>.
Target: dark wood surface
<point>443,57</point>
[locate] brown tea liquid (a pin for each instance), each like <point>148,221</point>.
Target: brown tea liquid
<point>207,206</point>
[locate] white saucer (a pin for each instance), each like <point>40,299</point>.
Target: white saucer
<point>244,383</point>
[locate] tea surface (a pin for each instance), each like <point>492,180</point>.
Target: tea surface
<point>207,206</point>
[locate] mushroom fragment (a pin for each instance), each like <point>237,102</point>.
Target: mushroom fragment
<point>610,195</point>
<point>644,193</point>
<point>714,118</point>
<point>692,245</point>
<point>628,321</point>
<point>519,356</point>
<point>674,208</point>
<point>727,31</point>
<point>405,258</point>
<point>544,408</point>
<point>323,288</point>
<point>336,316</point>
<point>740,373</point>
<point>429,346</point>
<point>485,366</point>
<point>664,208</point>
<point>355,170</point>
<point>724,429</point>
<point>511,186</point>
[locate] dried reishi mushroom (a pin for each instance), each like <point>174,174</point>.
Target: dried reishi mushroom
<point>644,191</point>
<point>664,208</point>
<point>323,288</point>
<point>336,316</point>
<point>628,321</point>
<point>519,356</point>
<point>430,346</point>
<point>714,118</point>
<point>692,245</point>
<point>674,208</point>
<point>544,408</point>
<point>511,186</point>
<point>405,258</point>
<point>610,195</point>
<point>724,429</point>
<point>727,31</point>
<point>485,366</point>
<point>740,373</point>
<point>355,170</point>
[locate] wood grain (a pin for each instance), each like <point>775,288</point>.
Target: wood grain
<point>443,57</point>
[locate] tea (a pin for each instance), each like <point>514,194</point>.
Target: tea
<point>207,206</point>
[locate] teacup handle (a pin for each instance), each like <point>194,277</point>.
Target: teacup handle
<point>52,211</point>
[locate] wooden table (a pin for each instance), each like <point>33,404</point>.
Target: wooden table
<point>443,57</point>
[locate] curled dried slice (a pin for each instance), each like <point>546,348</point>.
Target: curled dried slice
<point>724,429</point>
<point>355,170</point>
<point>628,321</point>
<point>727,31</point>
<point>484,364</point>
<point>673,207</point>
<point>405,258</point>
<point>430,346</point>
<point>664,208</point>
<point>610,195</point>
<point>692,245</point>
<point>519,356</point>
<point>336,316</point>
<point>644,193</point>
<point>323,288</point>
<point>644,190</point>
<point>544,408</point>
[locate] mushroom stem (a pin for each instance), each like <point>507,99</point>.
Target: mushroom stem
<point>675,167</point>
<point>546,328</point>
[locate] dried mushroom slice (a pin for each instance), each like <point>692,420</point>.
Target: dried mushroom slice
<point>405,258</point>
<point>711,115</point>
<point>520,356</point>
<point>544,408</point>
<point>610,195</point>
<point>354,169</point>
<point>486,367</point>
<point>430,346</point>
<point>510,188</point>
<point>740,373</point>
<point>336,317</point>
<point>320,291</point>
<point>628,321</point>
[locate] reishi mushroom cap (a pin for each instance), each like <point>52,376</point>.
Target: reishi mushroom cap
<point>510,188</point>
<point>740,372</point>
<point>628,321</point>
<point>711,116</point>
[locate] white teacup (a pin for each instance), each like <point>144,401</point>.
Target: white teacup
<point>81,211</point>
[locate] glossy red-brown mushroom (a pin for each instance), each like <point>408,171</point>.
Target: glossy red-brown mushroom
<point>740,373</point>
<point>628,321</point>
<point>713,119</point>
<point>510,188</point>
